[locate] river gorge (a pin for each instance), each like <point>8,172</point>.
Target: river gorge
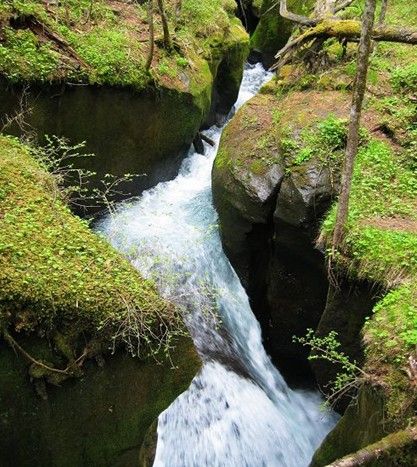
<point>238,410</point>
<point>172,290</point>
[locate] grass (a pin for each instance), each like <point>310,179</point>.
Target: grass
<point>379,243</point>
<point>58,277</point>
<point>381,239</point>
<point>109,44</point>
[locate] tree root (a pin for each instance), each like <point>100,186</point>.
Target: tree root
<point>68,371</point>
<point>40,29</point>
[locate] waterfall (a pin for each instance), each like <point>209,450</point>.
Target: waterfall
<point>238,410</point>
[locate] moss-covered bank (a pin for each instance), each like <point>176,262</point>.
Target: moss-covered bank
<point>87,78</point>
<point>64,294</point>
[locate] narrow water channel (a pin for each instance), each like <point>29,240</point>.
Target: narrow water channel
<point>238,410</point>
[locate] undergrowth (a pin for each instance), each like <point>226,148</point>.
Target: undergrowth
<point>58,276</point>
<point>104,43</point>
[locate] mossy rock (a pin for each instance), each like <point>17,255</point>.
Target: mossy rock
<point>273,31</point>
<point>56,274</point>
<point>362,424</point>
<point>133,125</point>
<point>65,291</point>
<point>100,420</point>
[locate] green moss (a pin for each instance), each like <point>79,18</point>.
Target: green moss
<point>55,274</point>
<point>273,31</point>
<point>107,45</point>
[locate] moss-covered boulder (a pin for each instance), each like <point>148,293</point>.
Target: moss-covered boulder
<point>270,196</point>
<point>66,298</point>
<point>87,78</point>
<point>56,275</point>
<point>273,31</point>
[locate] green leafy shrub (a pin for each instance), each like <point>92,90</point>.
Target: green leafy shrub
<point>405,79</point>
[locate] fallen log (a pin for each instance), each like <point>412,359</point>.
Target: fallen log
<point>397,440</point>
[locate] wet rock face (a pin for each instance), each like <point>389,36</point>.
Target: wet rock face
<point>128,132</point>
<point>362,424</point>
<point>269,218</point>
<point>100,419</point>
<point>268,227</point>
<point>348,304</point>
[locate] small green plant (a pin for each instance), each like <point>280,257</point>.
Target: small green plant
<point>328,348</point>
<point>324,141</point>
<point>182,62</point>
<point>166,69</point>
<point>405,79</point>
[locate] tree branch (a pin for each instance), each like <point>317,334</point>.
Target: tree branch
<point>343,5</point>
<point>345,29</point>
<point>304,20</point>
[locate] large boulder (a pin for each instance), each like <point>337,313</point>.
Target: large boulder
<point>270,211</point>
<point>66,298</point>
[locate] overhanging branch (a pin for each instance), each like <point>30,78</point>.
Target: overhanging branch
<point>345,29</point>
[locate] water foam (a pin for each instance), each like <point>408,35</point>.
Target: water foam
<point>238,410</point>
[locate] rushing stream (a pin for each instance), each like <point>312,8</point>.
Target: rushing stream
<point>238,410</point>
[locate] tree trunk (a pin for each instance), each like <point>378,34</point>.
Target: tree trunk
<point>151,36</point>
<point>383,13</point>
<point>354,125</point>
<point>167,37</point>
<point>374,451</point>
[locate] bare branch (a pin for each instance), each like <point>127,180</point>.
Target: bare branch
<point>343,5</point>
<point>304,20</point>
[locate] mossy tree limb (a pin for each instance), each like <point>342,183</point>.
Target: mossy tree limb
<point>393,441</point>
<point>344,29</point>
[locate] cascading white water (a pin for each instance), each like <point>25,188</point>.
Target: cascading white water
<point>238,410</point>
